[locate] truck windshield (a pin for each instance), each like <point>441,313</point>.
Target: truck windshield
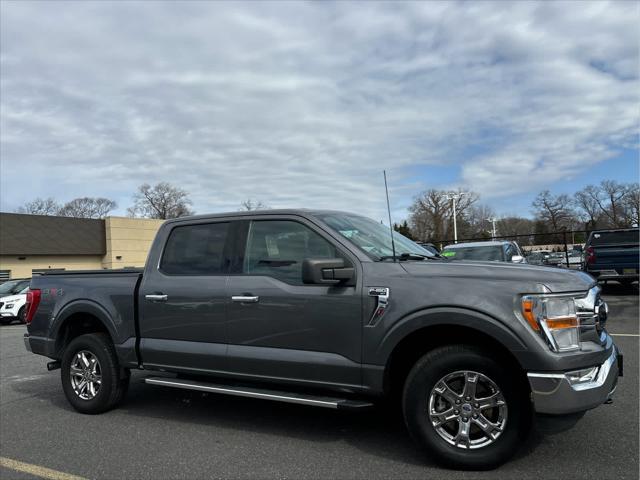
<point>372,237</point>
<point>490,253</point>
<point>11,287</point>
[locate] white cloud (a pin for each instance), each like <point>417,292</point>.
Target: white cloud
<point>304,104</point>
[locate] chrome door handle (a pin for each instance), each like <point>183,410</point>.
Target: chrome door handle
<point>156,298</point>
<point>245,299</point>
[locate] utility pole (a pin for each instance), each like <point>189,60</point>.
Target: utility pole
<point>454,196</point>
<point>493,227</point>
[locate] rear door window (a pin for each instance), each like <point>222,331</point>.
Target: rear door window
<point>195,250</point>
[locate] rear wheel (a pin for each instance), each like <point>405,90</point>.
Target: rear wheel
<point>92,379</point>
<point>466,408</point>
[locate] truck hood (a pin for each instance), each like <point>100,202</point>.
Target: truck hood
<point>531,277</point>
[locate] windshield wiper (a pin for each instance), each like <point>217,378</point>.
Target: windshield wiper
<point>409,256</point>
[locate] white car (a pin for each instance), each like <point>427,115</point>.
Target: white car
<point>13,307</point>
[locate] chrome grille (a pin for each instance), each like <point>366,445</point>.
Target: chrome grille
<point>592,312</point>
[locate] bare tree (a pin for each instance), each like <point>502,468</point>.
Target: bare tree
<point>250,204</point>
<point>432,213</point>
<point>160,201</point>
<point>87,207</point>
<point>512,226</point>
<point>631,206</point>
<point>553,209</point>
<point>614,193</point>
<point>40,206</point>
<point>586,201</point>
<point>478,219</point>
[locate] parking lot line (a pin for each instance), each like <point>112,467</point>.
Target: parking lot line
<point>36,470</point>
<point>624,335</point>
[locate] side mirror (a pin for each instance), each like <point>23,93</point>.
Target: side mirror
<point>517,259</point>
<point>325,271</point>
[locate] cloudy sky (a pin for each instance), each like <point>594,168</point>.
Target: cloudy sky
<point>304,104</point>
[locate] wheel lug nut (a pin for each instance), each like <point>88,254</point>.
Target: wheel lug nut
<point>475,415</point>
<point>468,398</point>
<point>465,419</point>
<point>457,402</point>
<point>457,412</point>
<point>477,405</point>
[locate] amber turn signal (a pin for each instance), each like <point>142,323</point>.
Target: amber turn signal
<point>527,312</point>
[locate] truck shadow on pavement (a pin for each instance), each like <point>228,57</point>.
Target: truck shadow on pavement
<point>379,432</point>
<point>615,288</point>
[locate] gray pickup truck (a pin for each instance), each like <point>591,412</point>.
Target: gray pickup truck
<point>319,308</point>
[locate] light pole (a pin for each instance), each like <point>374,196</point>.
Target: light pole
<point>493,227</point>
<point>454,196</point>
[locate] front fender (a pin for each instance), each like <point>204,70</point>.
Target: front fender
<point>452,316</point>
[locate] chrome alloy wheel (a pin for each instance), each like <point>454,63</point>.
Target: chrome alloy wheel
<point>467,409</point>
<point>86,374</point>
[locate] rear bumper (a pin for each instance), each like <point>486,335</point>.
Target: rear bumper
<point>614,274</point>
<point>555,394</point>
<point>40,345</point>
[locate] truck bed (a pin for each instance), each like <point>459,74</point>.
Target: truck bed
<point>107,295</point>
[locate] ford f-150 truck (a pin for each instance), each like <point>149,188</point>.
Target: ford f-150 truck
<point>322,308</point>
<point>613,255</point>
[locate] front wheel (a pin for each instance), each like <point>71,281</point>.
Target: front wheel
<point>22,315</point>
<point>92,379</point>
<point>465,407</point>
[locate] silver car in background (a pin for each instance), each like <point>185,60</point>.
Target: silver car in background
<point>491,251</point>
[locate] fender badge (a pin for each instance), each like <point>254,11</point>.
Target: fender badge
<point>382,294</point>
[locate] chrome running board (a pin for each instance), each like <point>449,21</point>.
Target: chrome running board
<point>253,392</point>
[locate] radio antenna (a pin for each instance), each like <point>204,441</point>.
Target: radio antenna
<point>386,189</point>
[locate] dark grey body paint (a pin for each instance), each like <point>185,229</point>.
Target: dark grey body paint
<point>306,335</point>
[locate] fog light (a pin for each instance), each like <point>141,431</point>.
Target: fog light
<point>586,375</point>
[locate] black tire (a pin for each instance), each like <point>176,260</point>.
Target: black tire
<point>443,361</point>
<point>626,282</point>
<point>22,315</point>
<point>5,321</point>
<point>114,382</point>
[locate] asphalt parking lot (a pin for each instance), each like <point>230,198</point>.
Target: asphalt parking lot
<point>166,433</point>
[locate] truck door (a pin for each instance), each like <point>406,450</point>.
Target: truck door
<point>183,299</point>
<point>280,328</point>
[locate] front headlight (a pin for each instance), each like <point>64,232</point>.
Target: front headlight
<point>8,306</point>
<point>554,318</point>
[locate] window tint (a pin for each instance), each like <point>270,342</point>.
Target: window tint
<point>625,237</point>
<point>475,253</point>
<point>511,251</point>
<point>195,250</point>
<point>278,247</point>
<point>13,287</point>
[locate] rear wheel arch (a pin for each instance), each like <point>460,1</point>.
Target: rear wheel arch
<point>78,320</point>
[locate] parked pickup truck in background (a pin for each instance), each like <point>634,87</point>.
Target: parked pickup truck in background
<point>613,255</point>
<point>318,308</point>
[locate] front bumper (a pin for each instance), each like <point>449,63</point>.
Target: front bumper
<point>554,393</point>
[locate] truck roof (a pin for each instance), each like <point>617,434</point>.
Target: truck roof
<point>489,243</point>
<point>305,212</point>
